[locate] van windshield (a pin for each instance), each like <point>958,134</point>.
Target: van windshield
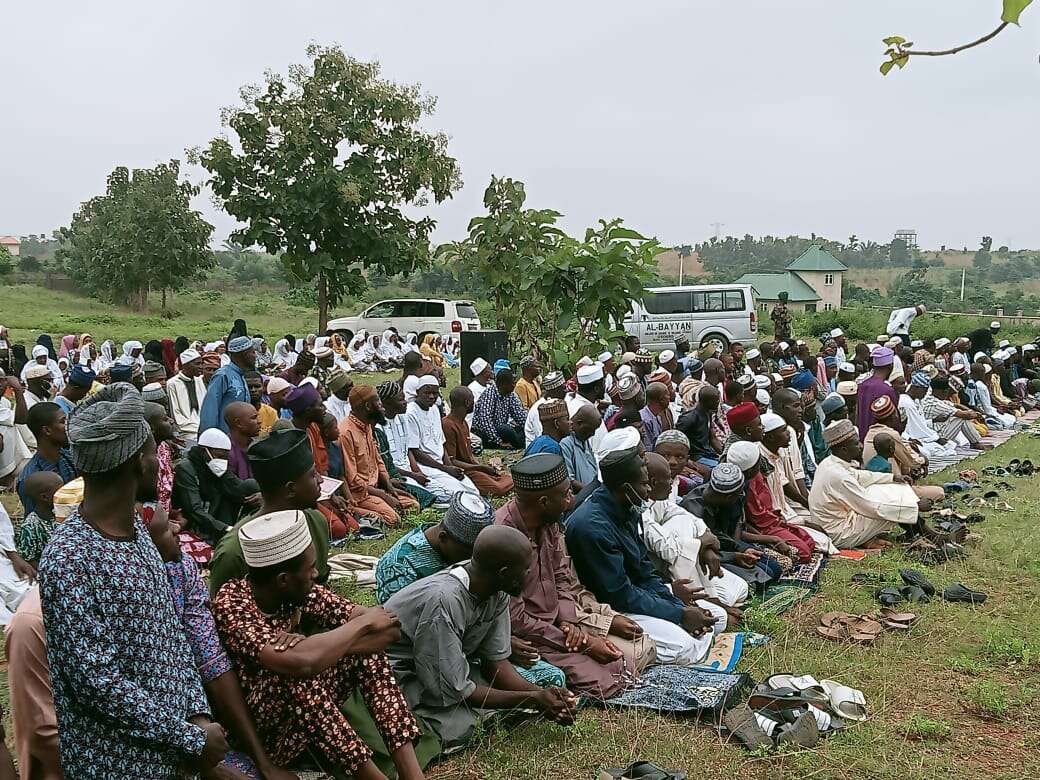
<point>466,311</point>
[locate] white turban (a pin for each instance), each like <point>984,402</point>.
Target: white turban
<point>743,454</point>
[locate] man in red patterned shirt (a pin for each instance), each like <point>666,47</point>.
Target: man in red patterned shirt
<point>295,687</point>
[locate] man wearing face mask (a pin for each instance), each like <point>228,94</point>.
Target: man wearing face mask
<point>612,562</point>
<point>208,494</point>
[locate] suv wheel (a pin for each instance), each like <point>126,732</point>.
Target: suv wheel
<point>708,337</point>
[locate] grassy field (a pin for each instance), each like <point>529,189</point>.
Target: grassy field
<point>952,698</point>
<point>29,311</point>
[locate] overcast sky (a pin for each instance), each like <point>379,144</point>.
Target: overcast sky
<point>767,115</point>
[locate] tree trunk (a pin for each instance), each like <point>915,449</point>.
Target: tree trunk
<point>323,304</point>
<point>164,299</point>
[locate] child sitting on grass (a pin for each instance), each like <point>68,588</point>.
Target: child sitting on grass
<point>38,525</point>
<point>885,448</point>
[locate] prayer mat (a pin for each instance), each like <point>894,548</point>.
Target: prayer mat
<point>682,689</point>
<point>805,574</point>
<point>780,598</point>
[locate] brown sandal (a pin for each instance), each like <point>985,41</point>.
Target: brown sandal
<point>900,621</point>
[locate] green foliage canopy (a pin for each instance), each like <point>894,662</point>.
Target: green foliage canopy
<point>325,162</point>
<point>141,235</point>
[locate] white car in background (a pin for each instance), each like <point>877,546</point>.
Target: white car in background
<point>411,315</point>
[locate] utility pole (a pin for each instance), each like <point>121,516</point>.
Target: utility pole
<point>964,272</point>
<point>718,228</point>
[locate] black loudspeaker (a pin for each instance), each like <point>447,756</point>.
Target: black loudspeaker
<point>491,345</point>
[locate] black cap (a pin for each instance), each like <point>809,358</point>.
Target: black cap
<point>281,457</point>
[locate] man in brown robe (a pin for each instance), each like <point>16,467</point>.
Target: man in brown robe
<point>546,612</point>
<point>489,480</point>
<point>366,475</point>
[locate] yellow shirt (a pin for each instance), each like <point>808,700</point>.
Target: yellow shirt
<point>529,392</point>
<point>268,416</point>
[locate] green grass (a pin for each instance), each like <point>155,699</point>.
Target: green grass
<point>29,311</point>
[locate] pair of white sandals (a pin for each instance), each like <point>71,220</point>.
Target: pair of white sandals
<point>845,702</point>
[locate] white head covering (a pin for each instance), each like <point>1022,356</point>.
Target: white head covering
<point>762,397</point>
<point>274,538</point>
<point>771,421</point>
<point>189,355</point>
<point>762,381</point>
<point>617,440</point>
<point>895,341</point>
<point>752,353</point>
<point>624,370</point>
<point>941,342</point>
<point>743,454</point>
<point>478,366</point>
<point>847,368</point>
<point>584,360</point>
<point>605,356</point>
<point>1028,348</point>
<point>1003,343</point>
<point>276,385</point>
<point>665,356</point>
<point>428,381</point>
<point>589,374</point>
<point>39,351</point>
<point>837,332</point>
<point>979,356</point>
<point>216,438</point>
<point>995,325</point>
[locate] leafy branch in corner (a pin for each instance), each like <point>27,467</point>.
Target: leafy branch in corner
<point>900,50</point>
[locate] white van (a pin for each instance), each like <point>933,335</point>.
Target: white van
<point>724,312</point>
<point>411,315</point>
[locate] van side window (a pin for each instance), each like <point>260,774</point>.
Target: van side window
<point>734,300</point>
<point>383,310</point>
<point>431,309</point>
<point>409,309</point>
<point>668,303</point>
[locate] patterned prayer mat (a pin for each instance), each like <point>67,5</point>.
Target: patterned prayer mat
<point>681,689</point>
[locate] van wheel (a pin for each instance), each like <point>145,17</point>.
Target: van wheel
<point>715,337</point>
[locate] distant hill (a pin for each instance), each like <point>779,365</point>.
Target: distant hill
<point>668,266</point>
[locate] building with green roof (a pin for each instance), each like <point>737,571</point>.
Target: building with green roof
<point>812,282</point>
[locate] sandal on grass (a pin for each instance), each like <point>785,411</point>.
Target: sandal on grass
<point>843,627</point>
<point>741,723</point>
<point>846,702</point>
<point>807,685</point>
<point>899,621</point>
<point>766,698</point>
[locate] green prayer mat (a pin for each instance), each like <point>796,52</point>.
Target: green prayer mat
<point>780,598</point>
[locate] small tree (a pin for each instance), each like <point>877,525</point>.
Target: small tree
<point>323,164</point>
<point>141,234</point>
<point>6,261</point>
<point>555,295</point>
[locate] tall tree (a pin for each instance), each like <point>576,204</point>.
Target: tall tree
<point>141,235</point>
<point>323,165</point>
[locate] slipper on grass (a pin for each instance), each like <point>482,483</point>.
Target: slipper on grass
<point>846,702</point>
<point>767,698</point>
<point>741,723</point>
<point>958,592</point>
<point>808,685</point>
<point>914,577</point>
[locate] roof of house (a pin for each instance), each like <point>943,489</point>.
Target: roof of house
<point>9,240</point>
<point>816,259</point>
<point>769,286</point>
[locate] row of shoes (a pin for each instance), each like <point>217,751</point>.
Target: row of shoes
<point>792,709</point>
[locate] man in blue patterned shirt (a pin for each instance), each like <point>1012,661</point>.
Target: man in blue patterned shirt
<point>127,692</point>
<point>499,416</point>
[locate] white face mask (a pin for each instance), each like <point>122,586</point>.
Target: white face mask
<point>218,466</point>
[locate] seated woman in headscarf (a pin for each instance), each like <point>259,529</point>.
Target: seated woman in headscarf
<point>284,353</point>
<point>357,352</point>
<point>131,354</point>
<point>264,358</point>
<point>410,344</point>
<point>449,349</point>
<point>388,351</point>
<point>105,357</point>
<point>68,342</point>
<point>373,355</point>
<point>339,347</point>
<point>41,357</point>
<point>44,340</point>
<point>153,352</point>
<point>238,329</point>
<point>430,350</point>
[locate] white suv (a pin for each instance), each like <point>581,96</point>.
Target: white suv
<point>411,315</point>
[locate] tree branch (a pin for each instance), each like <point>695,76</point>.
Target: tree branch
<point>955,49</point>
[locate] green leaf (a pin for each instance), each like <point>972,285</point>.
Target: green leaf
<point>886,67</point>
<point>901,61</point>
<point>892,40</point>
<point>1013,9</point>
